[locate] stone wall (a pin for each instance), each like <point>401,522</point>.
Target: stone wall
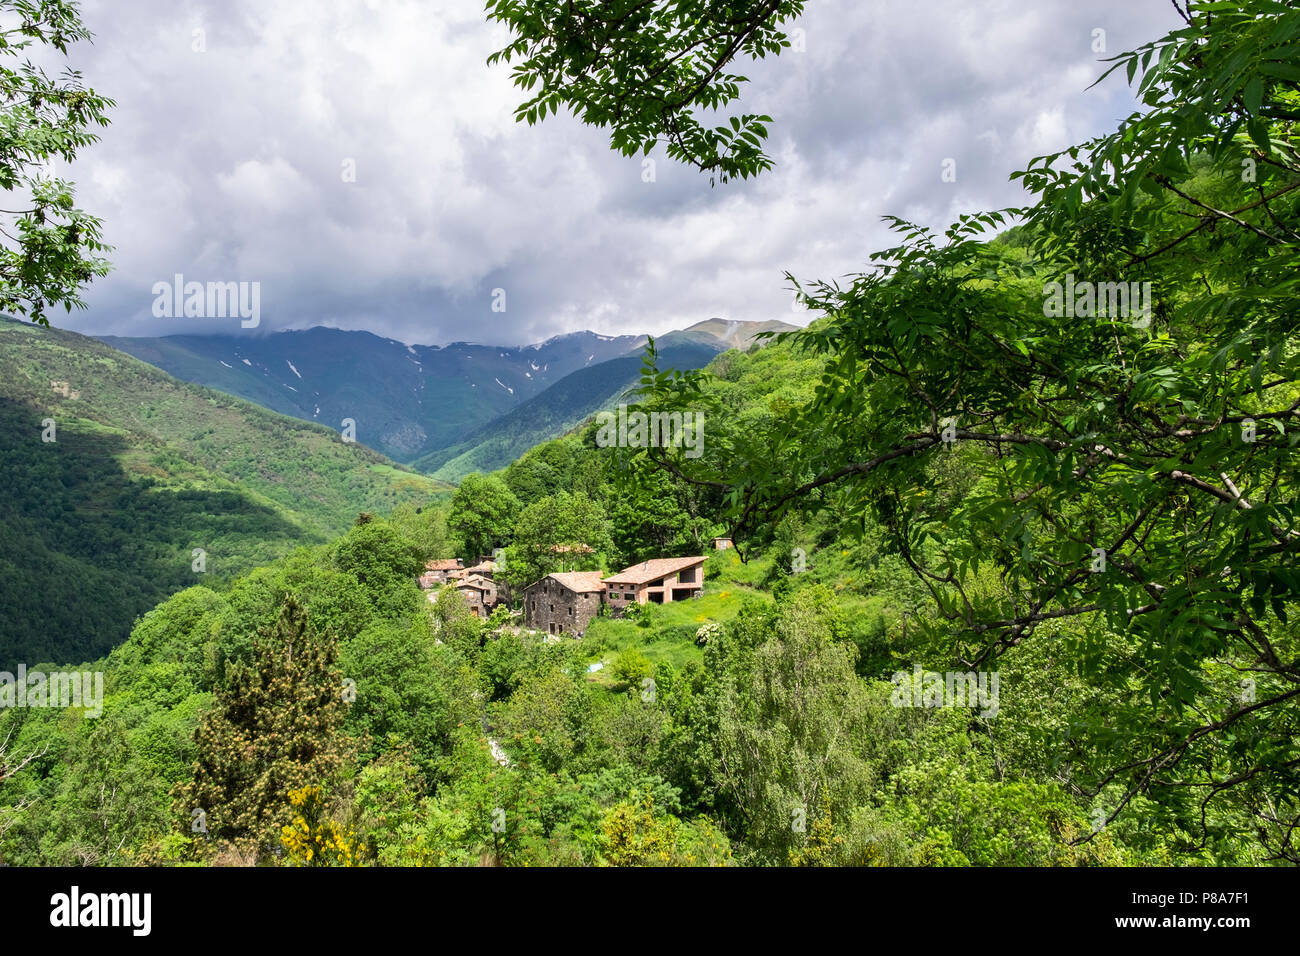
<point>572,611</point>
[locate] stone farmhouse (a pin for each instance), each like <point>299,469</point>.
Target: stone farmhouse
<point>439,571</point>
<point>486,567</point>
<point>475,584</point>
<point>657,581</point>
<point>564,602</point>
<point>480,594</point>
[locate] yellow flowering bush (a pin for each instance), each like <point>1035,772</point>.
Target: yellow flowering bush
<point>313,839</point>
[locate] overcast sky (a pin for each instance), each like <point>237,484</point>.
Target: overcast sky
<point>228,164</point>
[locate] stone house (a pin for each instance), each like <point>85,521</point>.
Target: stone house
<point>657,581</point>
<point>564,602</point>
<point>439,571</point>
<point>486,567</point>
<point>480,594</point>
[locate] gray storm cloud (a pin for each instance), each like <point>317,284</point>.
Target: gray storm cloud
<point>360,161</point>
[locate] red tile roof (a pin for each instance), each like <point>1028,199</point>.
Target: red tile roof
<point>652,570</point>
<point>443,564</point>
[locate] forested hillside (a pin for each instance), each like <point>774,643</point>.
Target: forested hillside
<point>100,523</point>
<point>552,412</point>
<point>756,725</point>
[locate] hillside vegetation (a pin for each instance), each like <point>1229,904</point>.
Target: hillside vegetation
<point>553,412</point>
<point>100,524</point>
<point>758,724</point>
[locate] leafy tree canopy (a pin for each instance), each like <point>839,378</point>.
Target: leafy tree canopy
<point>50,248</point>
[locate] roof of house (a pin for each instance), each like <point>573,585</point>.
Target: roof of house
<point>477,582</point>
<point>482,567</point>
<point>443,564</point>
<point>583,582</point>
<point>652,570</point>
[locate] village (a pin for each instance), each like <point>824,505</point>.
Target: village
<point>564,603</point>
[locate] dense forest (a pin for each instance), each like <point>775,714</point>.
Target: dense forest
<point>771,735</point>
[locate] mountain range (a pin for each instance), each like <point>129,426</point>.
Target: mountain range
<point>446,409</point>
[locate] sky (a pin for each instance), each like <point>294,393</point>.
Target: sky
<point>360,162</point>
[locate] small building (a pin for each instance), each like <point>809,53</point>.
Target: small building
<point>721,544</point>
<point>657,581</point>
<point>486,568</point>
<point>564,602</point>
<point>480,594</point>
<point>439,571</point>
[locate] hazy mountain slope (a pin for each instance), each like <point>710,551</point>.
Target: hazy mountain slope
<point>731,334</point>
<point>554,411</point>
<point>100,524</point>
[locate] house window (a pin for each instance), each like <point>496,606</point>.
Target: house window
<point>629,596</point>
<point>687,576</point>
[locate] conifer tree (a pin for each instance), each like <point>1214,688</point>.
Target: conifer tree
<point>276,726</point>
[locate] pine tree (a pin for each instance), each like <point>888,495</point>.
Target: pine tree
<point>276,726</point>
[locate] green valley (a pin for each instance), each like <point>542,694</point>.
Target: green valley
<point>99,524</point>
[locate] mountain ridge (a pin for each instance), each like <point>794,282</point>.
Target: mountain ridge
<point>409,402</point>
